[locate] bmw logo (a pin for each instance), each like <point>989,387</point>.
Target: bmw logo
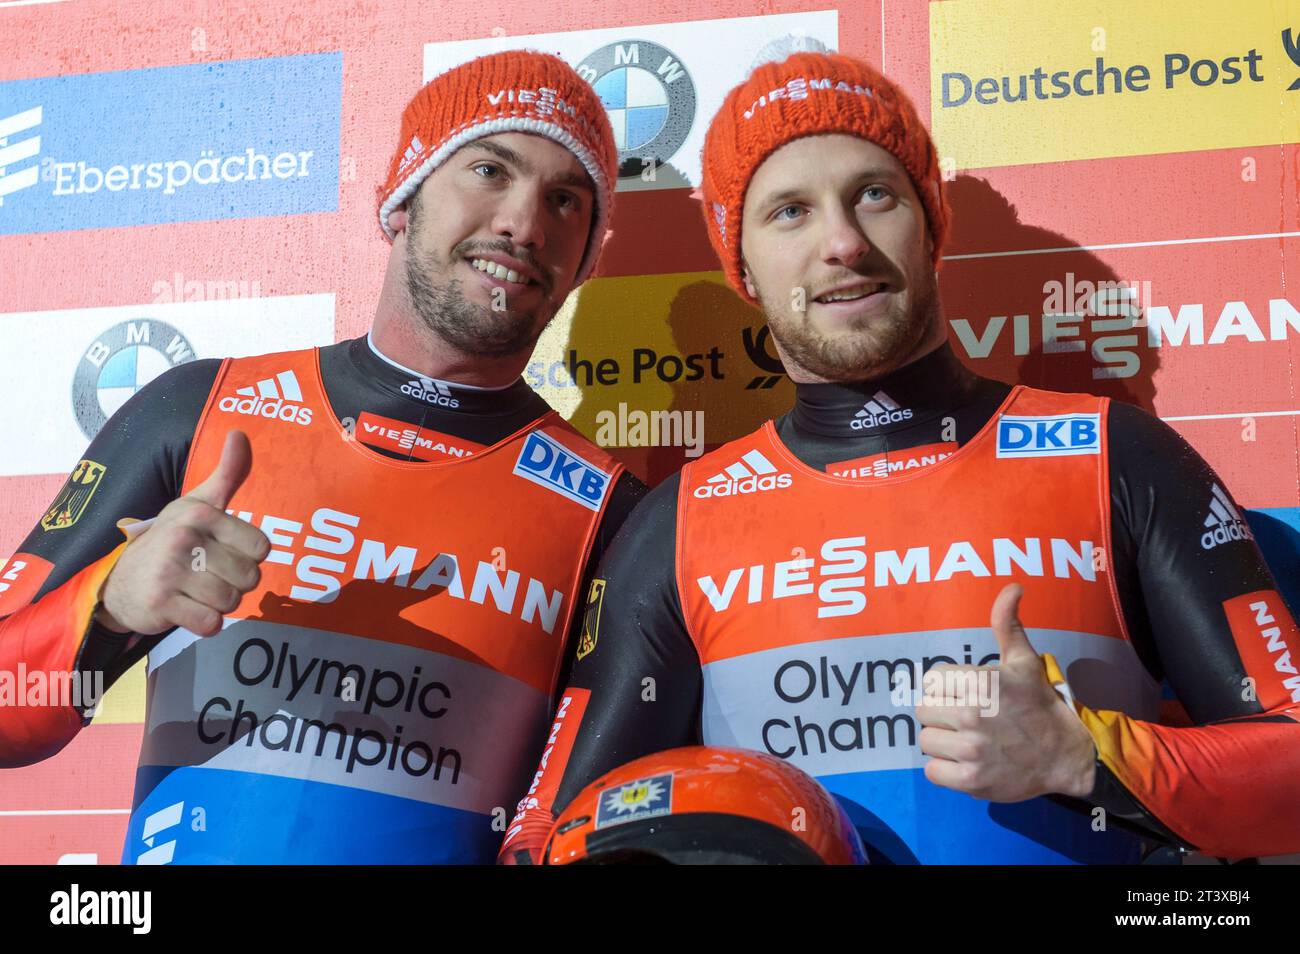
<point>120,362</point>
<point>650,98</point>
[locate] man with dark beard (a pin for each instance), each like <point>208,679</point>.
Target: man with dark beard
<point>836,589</point>
<point>356,590</point>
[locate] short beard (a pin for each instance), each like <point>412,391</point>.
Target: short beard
<point>871,347</point>
<point>470,329</point>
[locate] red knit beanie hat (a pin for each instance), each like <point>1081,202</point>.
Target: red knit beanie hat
<point>809,94</point>
<point>514,91</point>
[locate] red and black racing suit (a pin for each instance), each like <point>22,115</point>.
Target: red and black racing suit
<point>1226,780</point>
<point>144,448</point>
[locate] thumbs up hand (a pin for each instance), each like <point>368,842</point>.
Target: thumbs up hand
<point>1022,742</point>
<point>232,470</point>
<point>158,582</point>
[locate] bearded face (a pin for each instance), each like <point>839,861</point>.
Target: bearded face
<point>474,327</point>
<point>494,240</point>
<point>837,252</point>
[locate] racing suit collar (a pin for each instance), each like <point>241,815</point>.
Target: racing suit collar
<point>928,388</point>
<point>396,380</point>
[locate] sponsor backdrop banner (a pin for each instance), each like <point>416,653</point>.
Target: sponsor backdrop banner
<point>102,356</point>
<point>178,183</point>
<point>274,151</point>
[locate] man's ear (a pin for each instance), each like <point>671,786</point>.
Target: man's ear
<point>749,284</point>
<point>397,219</point>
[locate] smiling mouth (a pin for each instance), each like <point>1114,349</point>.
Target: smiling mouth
<point>498,271</point>
<point>851,294</point>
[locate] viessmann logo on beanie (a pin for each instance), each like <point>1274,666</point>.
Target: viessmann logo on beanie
<point>514,91</point>
<point>808,93</point>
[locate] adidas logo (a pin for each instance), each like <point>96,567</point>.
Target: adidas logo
<point>412,151</point>
<point>880,410</point>
<point>752,473</point>
<point>12,153</point>
<point>1224,523</point>
<point>430,392</point>
<point>277,398</point>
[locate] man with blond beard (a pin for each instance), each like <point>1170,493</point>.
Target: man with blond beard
<point>842,588</point>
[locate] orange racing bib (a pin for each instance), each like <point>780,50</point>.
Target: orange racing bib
<point>818,602</point>
<point>385,688</point>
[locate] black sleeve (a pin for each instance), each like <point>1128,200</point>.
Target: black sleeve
<point>1182,550</point>
<point>627,493</point>
<point>637,670</point>
<point>642,673</point>
<point>143,449</point>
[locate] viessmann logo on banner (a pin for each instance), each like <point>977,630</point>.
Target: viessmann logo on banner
<point>1110,78</point>
<point>660,83</point>
<point>181,143</point>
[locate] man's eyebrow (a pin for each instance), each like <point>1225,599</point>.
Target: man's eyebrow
<point>870,172</point>
<point>879,172</point>
<point>785,195</point>
<point>505,154</point>
<point>576,180</point>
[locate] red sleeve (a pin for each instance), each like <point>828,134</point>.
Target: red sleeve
<point>40,644</point>
<point>1230,787</point>
<point>526,837</point>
